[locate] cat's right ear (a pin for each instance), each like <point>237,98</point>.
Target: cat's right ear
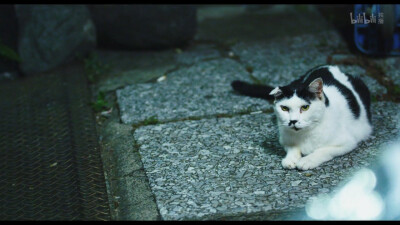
<point>276,92</point>
<point>316,87</point>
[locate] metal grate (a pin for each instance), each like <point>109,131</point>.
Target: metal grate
<point>50,164</point>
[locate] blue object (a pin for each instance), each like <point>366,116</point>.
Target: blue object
<point>377,32</point>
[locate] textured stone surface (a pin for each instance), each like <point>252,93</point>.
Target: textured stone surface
<point>200,90</point>
<point>50,35</point>
<point>214,167</point>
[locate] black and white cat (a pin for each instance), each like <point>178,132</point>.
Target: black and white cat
<point>323,114</point>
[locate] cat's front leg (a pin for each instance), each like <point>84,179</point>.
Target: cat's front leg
<point>293,154</point>
<point>322,155</point>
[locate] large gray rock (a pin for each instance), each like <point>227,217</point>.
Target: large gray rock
<point>50,35</point>
<point>144,26</point>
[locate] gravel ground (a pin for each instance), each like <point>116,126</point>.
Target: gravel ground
<point>214,167</point>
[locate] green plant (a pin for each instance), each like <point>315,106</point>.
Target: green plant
<point>374,98</point>
<point>8,53</point>
<point>396,90</point>
<point>100,104</point>
<point>151,120</point>
<point>302,8</point>
<point>94,67</point>
<point>322,43</point>
<point>249,69</point>
<point>255,79</point>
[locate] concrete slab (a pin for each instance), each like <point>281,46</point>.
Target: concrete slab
<point>116,138</point>
<point>129,192</point>
<point>215,12</point>
<point>215,168</point>
<point>197,53</point>
<point>197,91</point>
<point>135,199</point>
<point>132,67</point>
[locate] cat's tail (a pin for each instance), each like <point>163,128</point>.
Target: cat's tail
<point>253,90</point>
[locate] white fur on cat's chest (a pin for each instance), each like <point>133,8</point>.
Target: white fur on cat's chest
<point>306,142</point>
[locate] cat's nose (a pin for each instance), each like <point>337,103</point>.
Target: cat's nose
<point>292,122</point>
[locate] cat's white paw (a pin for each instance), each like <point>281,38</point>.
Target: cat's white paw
<point>289,162</point>
<point>307,163</point>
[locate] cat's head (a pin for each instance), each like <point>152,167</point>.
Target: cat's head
<point>299,106</point>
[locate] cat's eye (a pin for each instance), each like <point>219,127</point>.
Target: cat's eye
<point>284,108</point>
<point>305,107</point>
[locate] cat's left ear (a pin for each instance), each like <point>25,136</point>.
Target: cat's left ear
<point>316,87</point>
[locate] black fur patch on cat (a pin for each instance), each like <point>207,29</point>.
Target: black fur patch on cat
<point>329,80</point>
<point>300,86</point>
<point>252,90</point>
<point>326,100</point>
<point>362,90</point>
